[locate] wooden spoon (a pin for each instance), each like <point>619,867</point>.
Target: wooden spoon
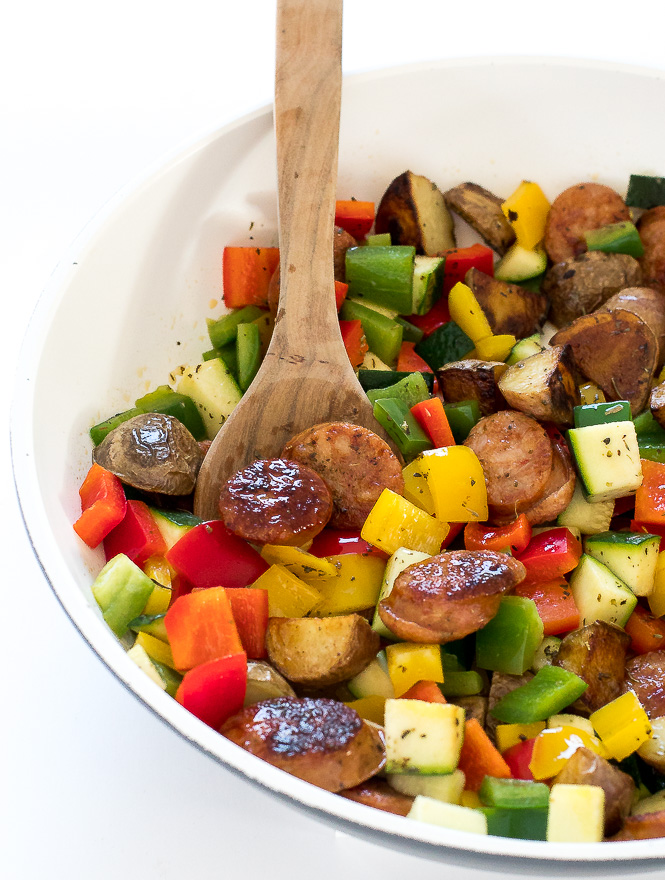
<point>306,376</point>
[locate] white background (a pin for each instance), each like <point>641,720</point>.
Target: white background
<point>91,96</point>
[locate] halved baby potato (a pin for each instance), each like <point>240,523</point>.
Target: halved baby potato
<point>413,211</point>
<point>481,209</point>
<point>543,385</point>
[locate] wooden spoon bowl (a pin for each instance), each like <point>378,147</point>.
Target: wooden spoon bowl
<point>306,376</point>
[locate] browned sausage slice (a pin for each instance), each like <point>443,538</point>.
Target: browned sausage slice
<point>645,676</point>
<point>577,210</point>
<point>559,489</point>
<point>448,596</point>
<point>275,501</point>
<point>356,464</point>
<point>651,227</point>
<point>644,826</point>
<point>378,794</point>
<point>319,740</point>
<point>516,455</point>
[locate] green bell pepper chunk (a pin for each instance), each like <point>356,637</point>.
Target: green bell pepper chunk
<point>383,275</point>
<point>446,344</point>
<point>383,334</point>
<point>462,416</point>
<point>513,793</point>
<point>616,238</point>
<point>395,416</point>
<point>412,389</point>
<point>121,590</point>
<point>548,693</point>
<point>227,353</point>
<point>410,333</point>
<point>647,426</point>
<point>508,642</point>
<point>653,450</point>
<point>463,683</point>
<point>224,329</point>
<point>171,403</point>
<point>601,413</point>
<point>248,352</point>
<point>98,432</point>
<point>529,823</point>
<point>371,379</point>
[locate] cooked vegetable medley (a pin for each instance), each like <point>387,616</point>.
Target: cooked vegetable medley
<point>471,632</point>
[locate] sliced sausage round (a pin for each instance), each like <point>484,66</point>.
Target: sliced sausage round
<point>448,596</point>
<point>275,501</point>
<point>379,794</point>
<point>516,456</point>
<point>355,463</point>
<point>651,226</point>
<point>577,210</point>
<point>645,676</point>
<point>560,486</point>
<point>319,740</point>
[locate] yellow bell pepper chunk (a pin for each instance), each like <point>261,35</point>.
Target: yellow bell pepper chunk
<point>570,720</point>
<point>456,482</point>
<point>416,489</point>
<point>495,348</point>
<point>155,648</point>
<point>656,597</point>
<point>356,585</point>
<point>288,596</point>
<point>299,562</point>
<point>555,746</point>
<point>591,393</point>
<point>394,522</point>
<point>410,662</point>
<point>371,708</point>
<point>158,601</point>
<point>470,799</point>
<point>526,210</point>
<point>466,312</point>
<point>508,735</point>
<point>622,726</point>
<point>158,569</point>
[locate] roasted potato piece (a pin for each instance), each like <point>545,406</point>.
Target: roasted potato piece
<point>580,285</point>
<point>649,305</point>
<point>471,379</point>
<point>152,452</point>
<point>653,750</point>
<point>413,211</point>
<point>597,653</point>
<point>318,652</point>
<point>617,351</point>
<point>657,403</point>
<point>651,227</point>
<point>319,740</point>
<point>265,683</point>
<point>642,827</point>
<point>577,210</point>
<point>474,707</point>
<point>379,794</point>
<point>482,211</point>
<point>544,385</point>
<point>508,308</point>
<point>587,768</point>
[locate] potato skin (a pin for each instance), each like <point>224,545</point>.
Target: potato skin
<point>472,379</point>
<point>450,595</point>
<point>481,209</point>
<point>319,740</point>
<point>617,351</point>
<point>508,308</point>
<point>577,210</point>
<point>581,284</point>
<point>597,654</point>
<point>544,385</point>
<point>413,211</point>
<point>319,652</point>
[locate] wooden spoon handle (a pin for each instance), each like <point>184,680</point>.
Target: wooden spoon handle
<point>308,82</point>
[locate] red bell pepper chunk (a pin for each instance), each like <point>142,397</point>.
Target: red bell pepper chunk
<point>353,337</point>
<point>515,535</point>
<point>650,497</point>
<point>408,361</point>
<point>103,505</point>
<point>460,260</point>
<point>549,555</point>
<point>356,218</point>
<point>201,627</point>
<point>623,505</point>
<point>647,632</point>
<point>137,536</point>
<point>437,316</point>
<point>209,555</point>
<point>650,529</point>
<point>453,532</point>
<point>337,542</point>
<point>341,290</point>
<point>215,691</point>
<point>246,274</point>
<point>518,758</point>
<point>555,604</point>
<point>250,613</point>
<point>432,418</point>
<point>425,690</point>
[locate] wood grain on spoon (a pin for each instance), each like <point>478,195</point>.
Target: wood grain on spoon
<point>306,376</point>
